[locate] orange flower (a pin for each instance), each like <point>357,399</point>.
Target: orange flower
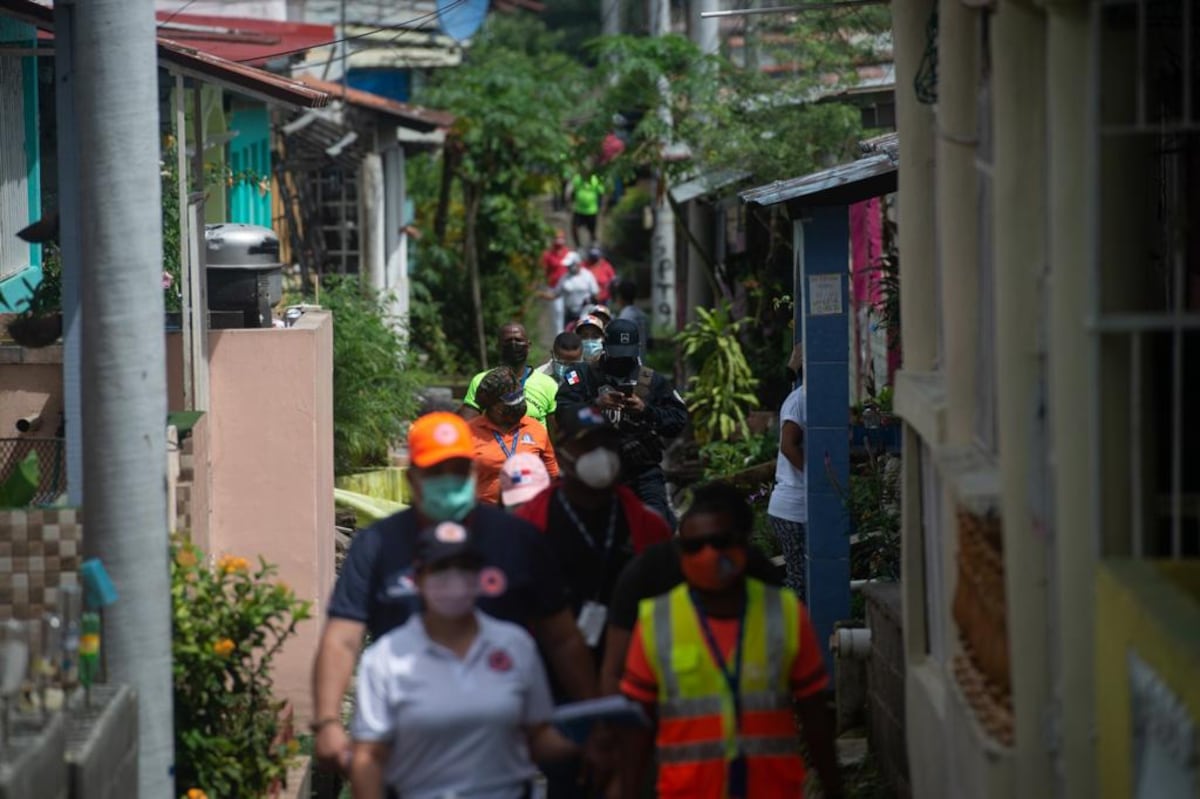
<point>282,588</point>
<point>224,647</point>
<point>186,558</point>
<point>196,793</point>
<point>229,563</point>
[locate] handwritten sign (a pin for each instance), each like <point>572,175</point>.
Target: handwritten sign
<point>824,295</point>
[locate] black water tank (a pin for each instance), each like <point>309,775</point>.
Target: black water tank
<point>243,270</point>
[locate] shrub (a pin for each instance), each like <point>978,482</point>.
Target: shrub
<point>723,391</point>
<point>230,620</point>
<point>374,390</point>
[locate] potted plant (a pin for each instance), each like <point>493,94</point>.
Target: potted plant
<point>39,323</point>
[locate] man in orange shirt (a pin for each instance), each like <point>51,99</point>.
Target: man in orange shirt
<point>503,430</point>
<point>720,662</point>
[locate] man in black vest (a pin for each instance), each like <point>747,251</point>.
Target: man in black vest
<point>639,402</point>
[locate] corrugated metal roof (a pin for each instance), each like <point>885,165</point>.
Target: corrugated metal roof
<point>231,75</point>
<point>707,184</point>
<point>870,176</point>
<point>411,116</point>
<point>247,41</point>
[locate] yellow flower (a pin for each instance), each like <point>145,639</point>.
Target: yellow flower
<point>282,588</point>
<point>186,558</point>
<point>293,746</point>
<point>196,793</point>
<point>229,563</point>
<point>224,647</point>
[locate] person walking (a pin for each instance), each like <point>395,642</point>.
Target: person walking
<point>602,270</point>
<point>453,702</point>
<point>503,430</point>
<point>554,270</point>
<point>594,526</point>
<point>376,592</point>
<point>577,289</point>
<point>788,506</point>
<point>587,194</point>
<point>591,336</point>
<point>540,389</point>
<point>726,664</point>
<point>628,310</point>
<point>639,402</point>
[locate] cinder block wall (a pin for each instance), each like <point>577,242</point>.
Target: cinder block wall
<point>885,685</point>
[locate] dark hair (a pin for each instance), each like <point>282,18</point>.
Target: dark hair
<point>494,385</point>
<point>721,497</point>
<point>627,290</point>
<point>567,340</point>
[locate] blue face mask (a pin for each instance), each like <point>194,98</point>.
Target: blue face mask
<point>447,497</point>
<point>592,347</point>
<point>561,368</point>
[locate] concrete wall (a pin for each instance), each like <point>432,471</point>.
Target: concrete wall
<point>30,383</point>
<point>270,445</point>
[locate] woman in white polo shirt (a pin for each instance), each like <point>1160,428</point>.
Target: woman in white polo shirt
<point>453,703</point>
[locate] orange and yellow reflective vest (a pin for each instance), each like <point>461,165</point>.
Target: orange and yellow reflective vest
<point>698,735</point>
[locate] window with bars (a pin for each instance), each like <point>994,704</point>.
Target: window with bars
<point>335,194</point>
<point>1147,294</point>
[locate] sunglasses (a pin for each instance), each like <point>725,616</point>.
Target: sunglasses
<point>692,546</point>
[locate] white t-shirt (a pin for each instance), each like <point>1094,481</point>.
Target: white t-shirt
<point>577,290</point>
<point>457,727</point>
<point>789,499</point>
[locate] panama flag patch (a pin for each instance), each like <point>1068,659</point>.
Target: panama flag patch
<point>572,378</point>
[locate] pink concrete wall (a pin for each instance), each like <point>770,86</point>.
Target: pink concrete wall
<point>270,450</point>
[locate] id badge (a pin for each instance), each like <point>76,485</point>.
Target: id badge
<point>592,617</point>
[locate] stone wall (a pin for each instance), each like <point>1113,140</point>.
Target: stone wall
<point>885,685</point>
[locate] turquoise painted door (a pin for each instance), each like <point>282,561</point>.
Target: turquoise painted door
<point>250,162</point>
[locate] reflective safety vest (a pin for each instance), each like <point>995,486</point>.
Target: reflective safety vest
<point>697,733</point>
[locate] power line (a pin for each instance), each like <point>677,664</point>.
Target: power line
<point>839,4</point>
<point>176,12</point>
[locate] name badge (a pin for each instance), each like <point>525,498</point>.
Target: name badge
<point>592,617</point>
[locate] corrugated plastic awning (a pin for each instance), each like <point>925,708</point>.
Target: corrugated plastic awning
<point>231,75</point>
<point>870,176</point>
<point>707,184</point>
<point>421,119</point>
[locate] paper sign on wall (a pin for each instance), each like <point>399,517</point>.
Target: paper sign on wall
<point>824,295</point>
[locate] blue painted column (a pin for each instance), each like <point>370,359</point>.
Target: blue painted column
<point>824,236</point>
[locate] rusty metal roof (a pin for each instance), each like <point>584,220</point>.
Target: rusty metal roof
<point>410,116</point>
<point>870,176</point>
<point>236,77</point>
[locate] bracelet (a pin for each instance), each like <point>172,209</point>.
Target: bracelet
<point>319,724</point>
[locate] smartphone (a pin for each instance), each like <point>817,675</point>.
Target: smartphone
<point>627,389</point>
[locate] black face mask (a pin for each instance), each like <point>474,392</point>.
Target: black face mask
<point>620,367</point>
<point>514,353</point>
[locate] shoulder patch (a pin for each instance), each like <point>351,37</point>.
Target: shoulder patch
<point>572,378</point>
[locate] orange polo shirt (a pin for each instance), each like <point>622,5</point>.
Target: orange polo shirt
<point>493,448</point>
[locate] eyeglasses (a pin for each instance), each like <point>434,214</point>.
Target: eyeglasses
<point>692,546</point>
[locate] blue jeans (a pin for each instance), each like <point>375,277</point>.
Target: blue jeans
<point>651,488</point>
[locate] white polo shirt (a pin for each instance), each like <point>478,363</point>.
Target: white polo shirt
<point>457,727</point>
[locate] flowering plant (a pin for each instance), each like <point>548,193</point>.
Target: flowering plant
<point>231,618</point>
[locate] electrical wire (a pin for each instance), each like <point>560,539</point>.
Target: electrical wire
<point>400,27</point>
<point>176,12</point>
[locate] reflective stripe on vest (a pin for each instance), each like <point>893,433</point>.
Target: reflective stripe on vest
<point>695,705</point>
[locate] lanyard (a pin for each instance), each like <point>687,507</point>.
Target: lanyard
<point>524,377</point>
<point>733,677</point>
<point>591,542</point>
<point>500,440</point>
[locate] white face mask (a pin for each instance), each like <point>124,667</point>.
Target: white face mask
<point>451,593</point>
<point>598,468</point>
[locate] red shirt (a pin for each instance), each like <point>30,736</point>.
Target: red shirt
<point>604,273</point>
<point>552,263</point>
<point>645,526</point>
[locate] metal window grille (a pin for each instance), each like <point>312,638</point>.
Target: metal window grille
<point>336,193</point>
<point>52,464</point>
<point>1146,323</point>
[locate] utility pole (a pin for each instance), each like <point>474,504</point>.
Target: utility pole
<point>124,360</point>
<point>662,243</point>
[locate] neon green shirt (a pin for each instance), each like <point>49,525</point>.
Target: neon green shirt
<point>541,391</point>
<point>587,194</point>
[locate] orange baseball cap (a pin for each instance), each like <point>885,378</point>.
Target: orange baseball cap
<point>436,437</point>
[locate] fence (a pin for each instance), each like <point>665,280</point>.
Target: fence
<point>52,464</point>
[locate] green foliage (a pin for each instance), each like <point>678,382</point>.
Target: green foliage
<point>172,270</point>
<point>46,297</point>
<point>19,488</point>
<point>625,235</point>
<point>722,392</point>
<point>724,458</point>
<point>229,623</point>
<point>374,389</point>
<point>873,501</point>
<point>510,145</point>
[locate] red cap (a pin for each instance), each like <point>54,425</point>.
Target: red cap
<point>437,437</point>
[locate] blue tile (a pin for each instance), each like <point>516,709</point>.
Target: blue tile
<point>828,583</point>
<point>828,528</point>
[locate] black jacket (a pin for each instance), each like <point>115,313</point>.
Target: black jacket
<point>642,437</point>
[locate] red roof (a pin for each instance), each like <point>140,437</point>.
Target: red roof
<point>243,39</point>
